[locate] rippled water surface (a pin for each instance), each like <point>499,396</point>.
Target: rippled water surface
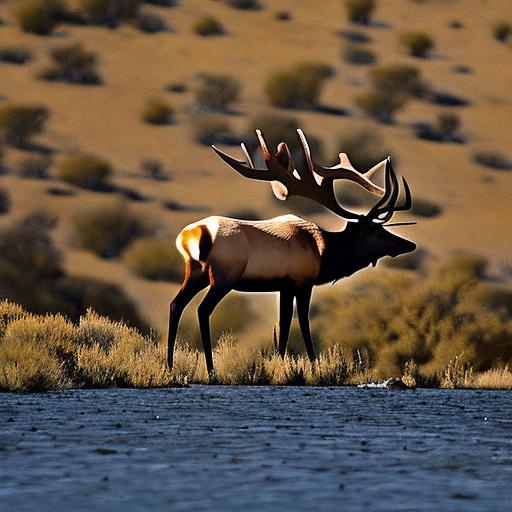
<point>256,448</point>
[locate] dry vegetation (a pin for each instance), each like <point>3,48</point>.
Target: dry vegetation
<point>107,65</point>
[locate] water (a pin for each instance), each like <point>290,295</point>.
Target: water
<point>256,449</point>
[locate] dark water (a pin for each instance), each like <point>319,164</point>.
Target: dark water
<point>261,448</point>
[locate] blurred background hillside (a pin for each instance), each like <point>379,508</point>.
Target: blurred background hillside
<point>108,108</point>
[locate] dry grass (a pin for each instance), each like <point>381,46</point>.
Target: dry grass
<point>40,353</point>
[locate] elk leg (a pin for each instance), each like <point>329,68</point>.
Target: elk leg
<point>285,319</point>
<point>303,301</point>
<point>192,285</point>
<point>215,294</point>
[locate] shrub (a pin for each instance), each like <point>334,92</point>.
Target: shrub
<point>18,123</point>
<point>38,16</point>
<point>448,124</point>
<point>425,208</point>
<point>396,79</point>
<point>107,230</point>
<point>281,89</point>
<point>211,129</point>
<point>155,259</point>
<point>162,3</point>
<point>35,167</point>
<point>244,4</point>
<point>501,30</point>
<point>153,169</point>
<point>493,160</point>
<point>364,148</point>
<point>283,15</point>
<point>379,105</point>
<point>5,201</point>
<point>301,86</point>
<point>217,92</point>
<point>208,26</point>
<point>360,11</point>
<point>109,12</point>
<point>418,44</point>
<point>359,56</point>
<point>15,54</point>
<point>87,171</point>
<point>150,23</point>
<point>72,63</point>
<point>157,111</point>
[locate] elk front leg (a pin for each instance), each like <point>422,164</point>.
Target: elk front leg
<point>285,319</point>
<point>192,285</point>
<point>303,302</point>
<point>215,294</point>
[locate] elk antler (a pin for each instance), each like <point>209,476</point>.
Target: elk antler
<point>314,182</point>
<point>386,207</point>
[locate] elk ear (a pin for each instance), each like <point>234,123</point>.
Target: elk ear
<point>280,191</point>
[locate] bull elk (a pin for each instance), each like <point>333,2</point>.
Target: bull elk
<point>286,254</point>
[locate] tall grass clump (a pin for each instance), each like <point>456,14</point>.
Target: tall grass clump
<point>38,16</point>
<point>73,64</point>
<point>359,11</point>
<point>86,171</point>
<point>154,258</point>
<point>217,92</point>
<point>20,122</point>
<point>107,230</point>
<point>157,111</point>
<point>208,26</point>
<point>418,44</point>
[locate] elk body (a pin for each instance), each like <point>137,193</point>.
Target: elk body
<point>286,254</point>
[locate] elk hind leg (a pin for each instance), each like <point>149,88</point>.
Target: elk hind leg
<point>195,281</point>
<point>285,319</point>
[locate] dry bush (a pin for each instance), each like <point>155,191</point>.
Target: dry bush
<point>425,208</point>
<point>153,169</point>
<point>396,79</point>
<point>211,129</point>
<point>448,124</point>
<point>418,44</point>
<point>217,92</point>
<point>15,54</point>
<point>19,123</point>
<point>73,64</point>
<point>353,54</point>
<point>493,160</point>
<point>150,23</point>
<point>157,111</point>
<point>208,26</point>
<point>8,313</point>
<point>283,16</point>
<point>246,5</point>
<point>501,30</point>
<point>38,16</point>
<point>381,106</point>
<point>107,230</point>
<point>301,86</point>
<point>154,258</point>
<point>5,201</point>
<point>360,11</point>
<point>35,166</point>
<point>497,378</point>
<point>109,12</point>
<point>86,171</point>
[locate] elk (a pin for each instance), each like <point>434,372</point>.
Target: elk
<point>286,254</point>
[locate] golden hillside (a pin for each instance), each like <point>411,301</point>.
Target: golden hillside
<point>105,119</point>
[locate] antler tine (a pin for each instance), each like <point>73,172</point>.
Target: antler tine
<point>241,167</point>
<point>247,155</point>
